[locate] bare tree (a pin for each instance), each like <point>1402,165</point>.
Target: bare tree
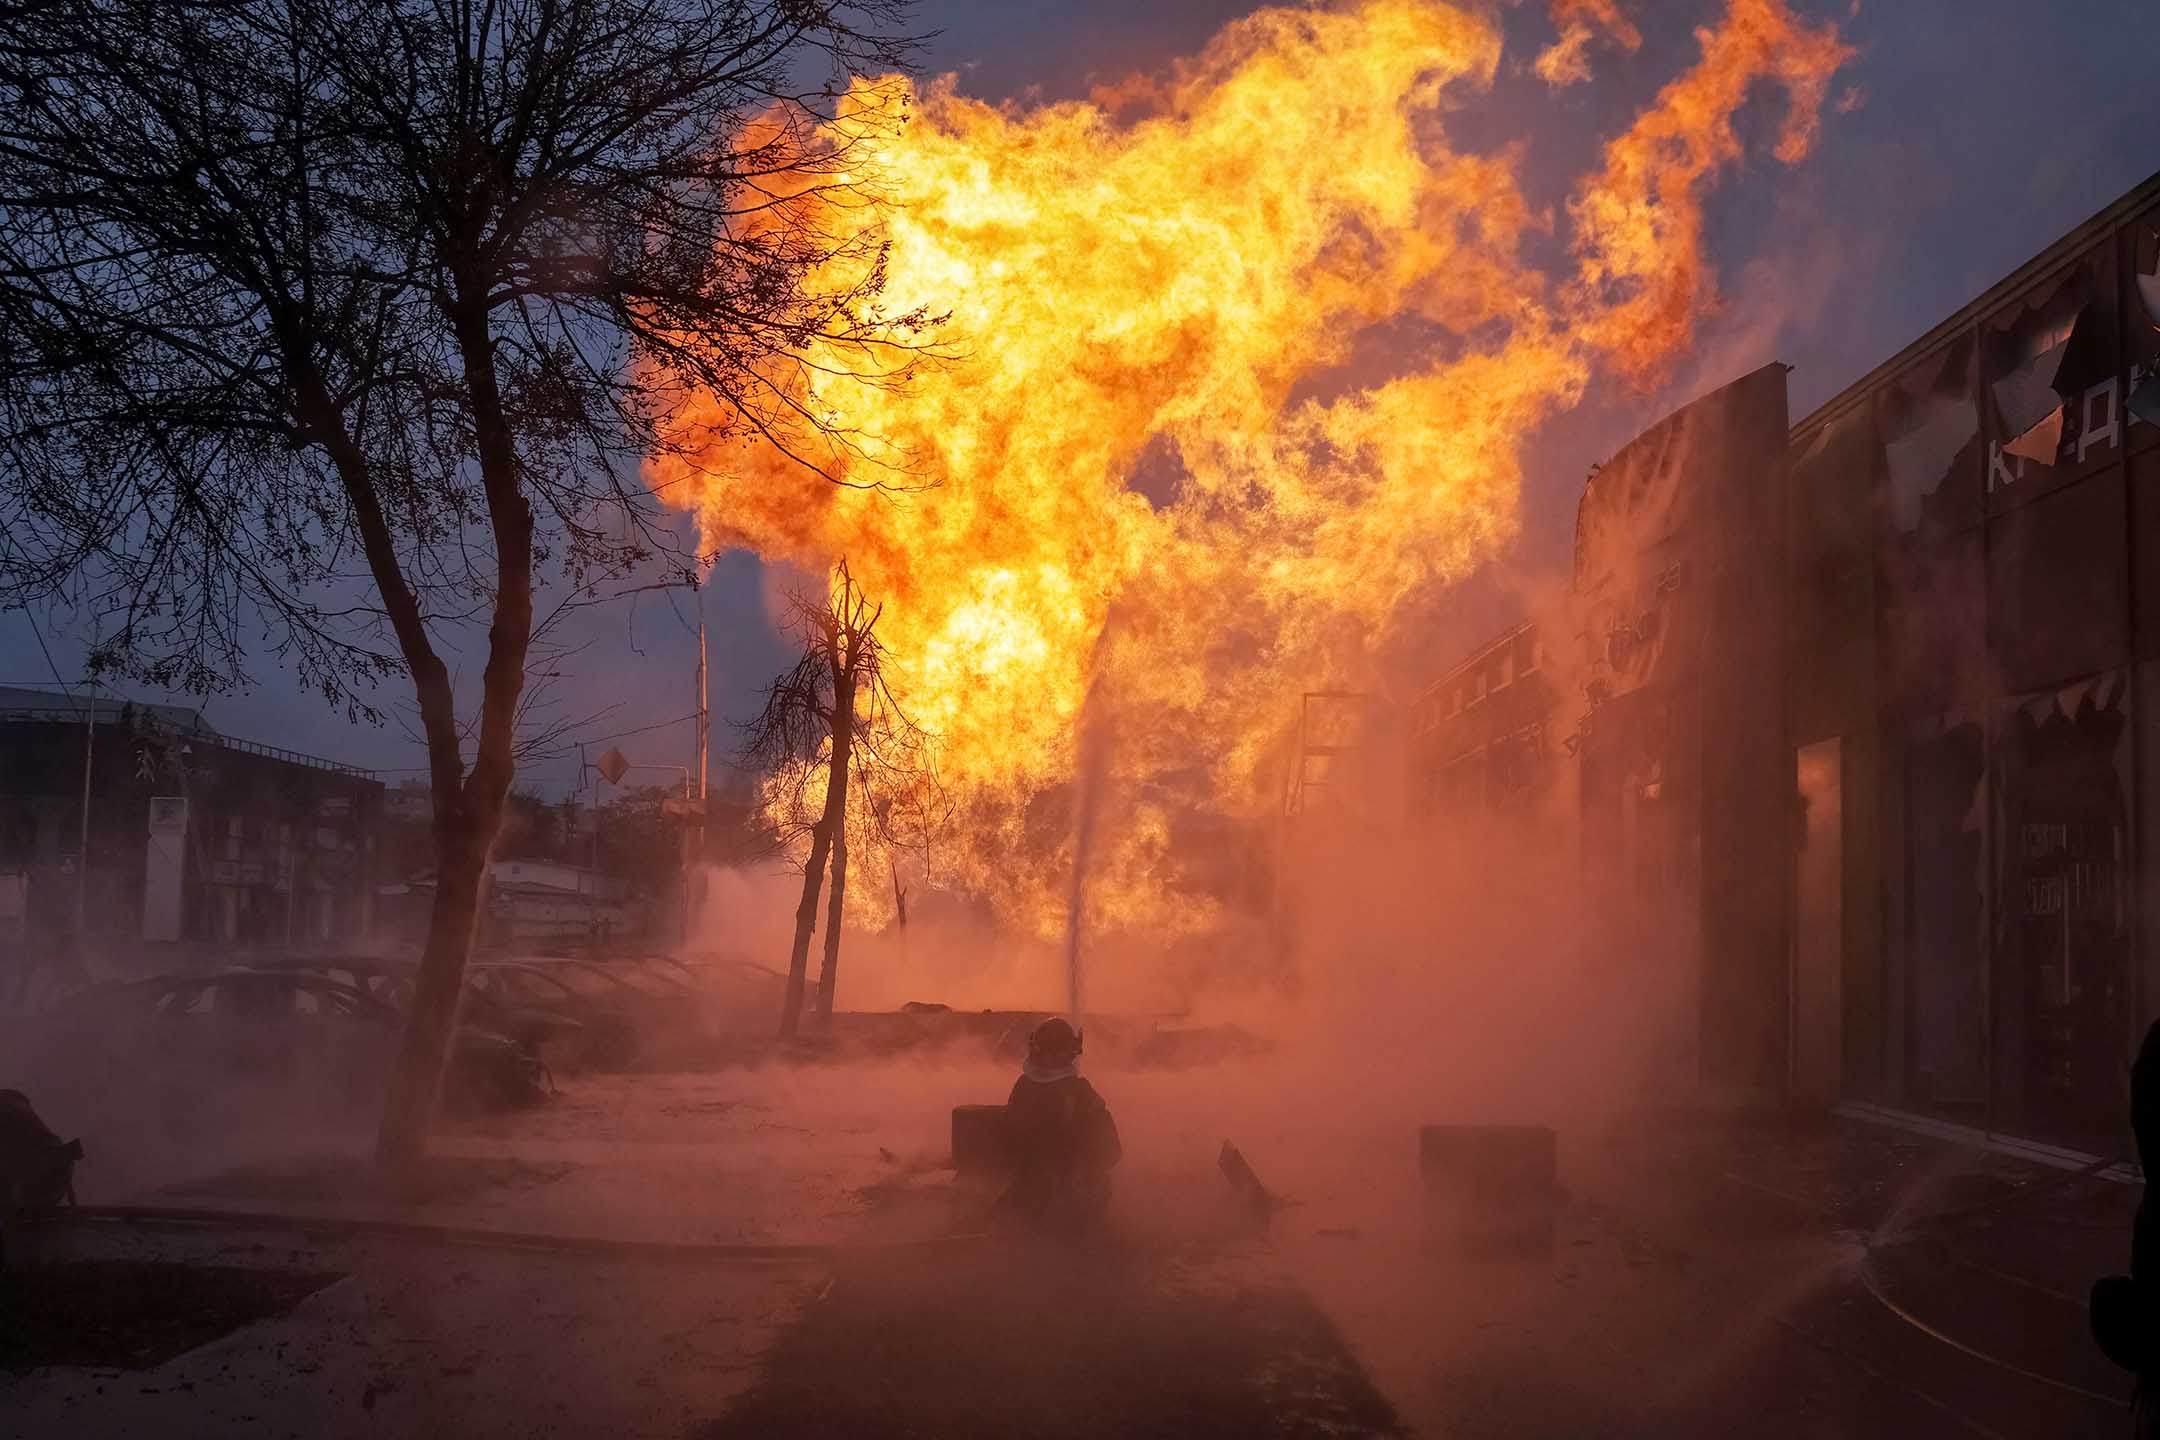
<point>903,810</point>
<point>890,793</point>
<point>335,326</point>
<point>830,717</point>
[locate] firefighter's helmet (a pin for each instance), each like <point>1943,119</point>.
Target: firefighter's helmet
<point>1054,1042</point>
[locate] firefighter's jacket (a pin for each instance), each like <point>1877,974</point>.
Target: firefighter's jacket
<point>1062,1138</point>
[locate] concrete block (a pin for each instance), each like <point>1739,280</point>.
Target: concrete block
<point>1491,1189</point>
<point>978,1139</point>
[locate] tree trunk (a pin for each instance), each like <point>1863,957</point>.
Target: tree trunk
<point>836,805</point>
<point>469,812</point>
<point>805,922</point>
<point>424,1045</point>
<point>832,930</point>
<point>465,819</point>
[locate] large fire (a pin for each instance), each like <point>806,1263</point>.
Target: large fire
<point>1145,461</point>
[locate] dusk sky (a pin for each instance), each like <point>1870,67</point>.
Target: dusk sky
<point>1980,130</point>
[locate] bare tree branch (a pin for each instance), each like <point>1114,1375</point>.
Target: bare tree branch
<point>339,330</point>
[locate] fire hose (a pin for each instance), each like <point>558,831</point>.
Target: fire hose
<point>1872,1282</point>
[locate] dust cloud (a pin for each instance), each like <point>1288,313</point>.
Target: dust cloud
<point>1395,973</point>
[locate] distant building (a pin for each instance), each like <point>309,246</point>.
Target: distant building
<point>541,900</point>
<point>530,902</point>
<point>410,802</point>
<point>1645,711</point>
<point>1483,734</point>
<point>194,837</point>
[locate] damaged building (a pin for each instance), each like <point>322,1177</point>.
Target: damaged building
<point>190,836</point>
<point>1867,708</point>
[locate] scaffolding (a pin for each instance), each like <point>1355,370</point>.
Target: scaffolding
<point>1331,729</point>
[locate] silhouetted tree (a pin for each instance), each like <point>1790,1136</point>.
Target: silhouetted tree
<point>830,718</point>
<point>331,324</point>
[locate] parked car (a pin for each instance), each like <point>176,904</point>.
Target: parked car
<point>487,1067</point>
<point>562,1041</point>
<point>629,1012</point>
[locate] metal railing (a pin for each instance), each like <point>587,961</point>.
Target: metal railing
<point>290,757</point>
<point>63,715</point>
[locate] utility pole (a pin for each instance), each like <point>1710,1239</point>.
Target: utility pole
<point>593,869</point>
<point>683,925</point>
<point>285,858</point>
<point>703,714</point>
<point>704,754</point>
<point>614,765</point>
<point>82,849</point>
<point>590,885</point>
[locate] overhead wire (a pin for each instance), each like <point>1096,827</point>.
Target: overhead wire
<point>594,740</point>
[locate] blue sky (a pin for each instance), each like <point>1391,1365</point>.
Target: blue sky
<point>1988,128</point>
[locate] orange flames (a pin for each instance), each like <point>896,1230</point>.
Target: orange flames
<point>1580,22</point>
<point>1151,459</point>
<point>1638,225</point>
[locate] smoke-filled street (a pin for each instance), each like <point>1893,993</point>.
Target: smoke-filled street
<point>931,718</point>
<point>791,1272</point>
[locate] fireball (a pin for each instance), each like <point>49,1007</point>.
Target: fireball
<point>1137,459</point>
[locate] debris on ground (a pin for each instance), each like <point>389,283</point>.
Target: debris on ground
<point>1491,1189</point>
<point>979,1142</point>
<point>1245,1184</point>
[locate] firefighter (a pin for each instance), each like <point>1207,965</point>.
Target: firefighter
<point>1062,1141</point>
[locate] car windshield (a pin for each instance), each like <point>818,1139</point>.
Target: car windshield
<point>587,981</point>
<point>327,999</point>
<point>519,987</point>
<point>650,982</point>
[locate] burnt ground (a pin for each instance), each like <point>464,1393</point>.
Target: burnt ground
<point>134,1314</point>
<point>1054,1340</point>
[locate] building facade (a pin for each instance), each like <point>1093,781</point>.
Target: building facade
<point>1976,590</point>
<point>1872,703</point>
<point>1639,722</point>
<point>192,836</point>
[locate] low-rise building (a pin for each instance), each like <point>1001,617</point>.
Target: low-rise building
<point>530,902</point>
<point>135,828</point>
<point>1874,701</point>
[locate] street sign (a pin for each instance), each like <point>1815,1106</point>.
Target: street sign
<point>683,805</point>
<point>613,765</point>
